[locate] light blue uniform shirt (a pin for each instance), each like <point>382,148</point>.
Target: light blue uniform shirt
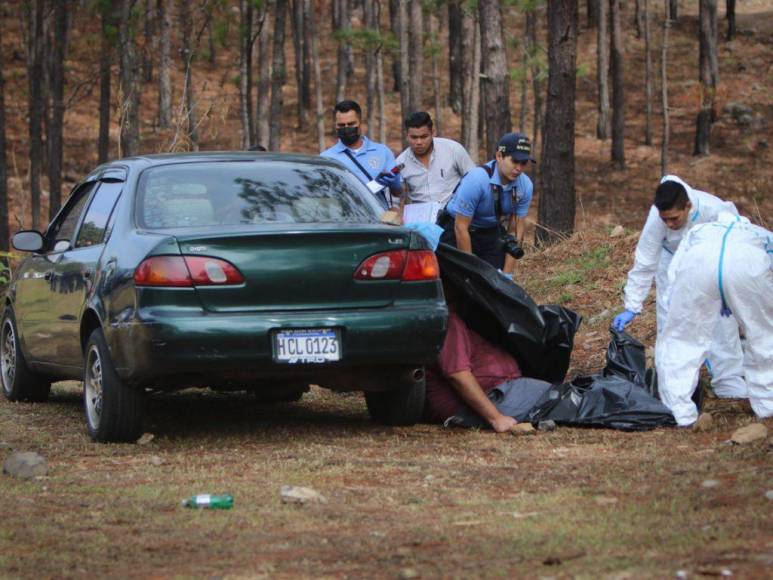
<point>474,198</point>
<point>374,157</point>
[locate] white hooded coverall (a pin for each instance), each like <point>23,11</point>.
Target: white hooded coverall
<point>727,264</point>
<point>656,247</point>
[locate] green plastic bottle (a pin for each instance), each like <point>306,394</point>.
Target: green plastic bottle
<point>210,501</point>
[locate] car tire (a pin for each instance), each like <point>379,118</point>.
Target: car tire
<point>113,409</point>
<point>403,405</point>
<point>19,382</point>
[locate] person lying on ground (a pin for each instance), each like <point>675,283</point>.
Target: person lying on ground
<point>676,209</point>
<point>720,268</point>
<point>467,369</point>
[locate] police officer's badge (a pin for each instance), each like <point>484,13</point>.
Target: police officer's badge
<point>374,162</point>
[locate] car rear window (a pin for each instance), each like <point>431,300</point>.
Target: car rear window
<point>250,192</point>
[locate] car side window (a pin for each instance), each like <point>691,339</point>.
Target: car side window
<point>67,221</point>
<point>94,225</point>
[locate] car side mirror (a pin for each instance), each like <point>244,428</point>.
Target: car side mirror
<point>27,241</point>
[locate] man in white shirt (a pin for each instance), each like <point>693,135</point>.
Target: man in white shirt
<point>677,208</point>
<point>432,166</point>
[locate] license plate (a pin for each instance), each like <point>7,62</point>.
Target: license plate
<point>309,345</point>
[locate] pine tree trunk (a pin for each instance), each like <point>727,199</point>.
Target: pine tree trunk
<point>187,54</point>
<point>673,10</point>
<point>433,35</point>
<point>56,122</point>
<point>557,193</point>
<point>455,55</point>
<point>130,95</point>
<point>320,107</point>
<point>618,85</point>
<point>416,51</point>
<point>639,18</point>
<point>664,92</point>
<point>149,34</point>
<point>343,26</point>
<point>35,102</point>
<point>405,69</point>
<point>371,26</point>
<point>594,16</point>
<point>602,71</point>
<point>730,13</point>
<point>105,61</point>
<point>524,99</point>
<point>278,76</point>
<point>709,75</point>
<point>471,58</point>
<point>4,233</point>
<point>263,110</point>
<point>394,25</point>
<point>164,8</point>
<point>247,23</point>
<point>496,94</point>
<point>301,76</point>
<point>532,47</point>
<point>647,72</point>
<point>382,132</point>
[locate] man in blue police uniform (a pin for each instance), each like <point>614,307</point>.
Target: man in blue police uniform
<point>485,196</point>
<point>369,161</point>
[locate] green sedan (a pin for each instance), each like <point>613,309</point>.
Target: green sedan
<point>253,271</point>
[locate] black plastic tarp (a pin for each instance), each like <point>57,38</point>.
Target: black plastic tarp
<point>598,401</point>
<point>540,338</point>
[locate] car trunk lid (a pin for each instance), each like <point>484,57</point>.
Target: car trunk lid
<point>307,268</point>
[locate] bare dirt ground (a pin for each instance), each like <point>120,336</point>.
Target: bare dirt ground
<point>424,500</point>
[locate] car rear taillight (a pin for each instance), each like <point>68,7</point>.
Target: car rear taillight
<point>421,265</point>
<point>409,266</point>
<point>185,271</point>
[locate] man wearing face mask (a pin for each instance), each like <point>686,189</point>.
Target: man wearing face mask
<point>369,161</point>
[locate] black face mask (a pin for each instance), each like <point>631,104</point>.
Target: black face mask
<point>348,135</point>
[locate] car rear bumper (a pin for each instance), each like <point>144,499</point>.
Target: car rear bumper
<point>207,350</point>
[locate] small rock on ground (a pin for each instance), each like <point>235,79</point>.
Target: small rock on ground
<point>408,573</point>
<point>523,429</point>
<point>753,432</point>
<point>301,495</point>
<point>708,483</point>
<point>547,425</point>
<point>25,465</point>
<point>704,423</point>
<point>769,494</point>
<point>145,438</point>
<point>617,232</point>
<point>156,460</point>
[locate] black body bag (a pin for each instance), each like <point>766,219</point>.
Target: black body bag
<point>540,338</point>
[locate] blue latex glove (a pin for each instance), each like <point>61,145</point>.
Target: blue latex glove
<point>390,180</point>
<point>623,319</point>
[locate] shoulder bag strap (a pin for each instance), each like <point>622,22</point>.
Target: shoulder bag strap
<point>357,163</point>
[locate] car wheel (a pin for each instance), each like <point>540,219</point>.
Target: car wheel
<point>402,405</point>
<point>113,410</point>
<point>19,382</point>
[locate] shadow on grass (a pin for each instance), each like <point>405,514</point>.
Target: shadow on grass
<point>195,413</point>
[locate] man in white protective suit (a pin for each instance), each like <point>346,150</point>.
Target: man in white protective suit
<point>677,208</point>
<point>720,268</point>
